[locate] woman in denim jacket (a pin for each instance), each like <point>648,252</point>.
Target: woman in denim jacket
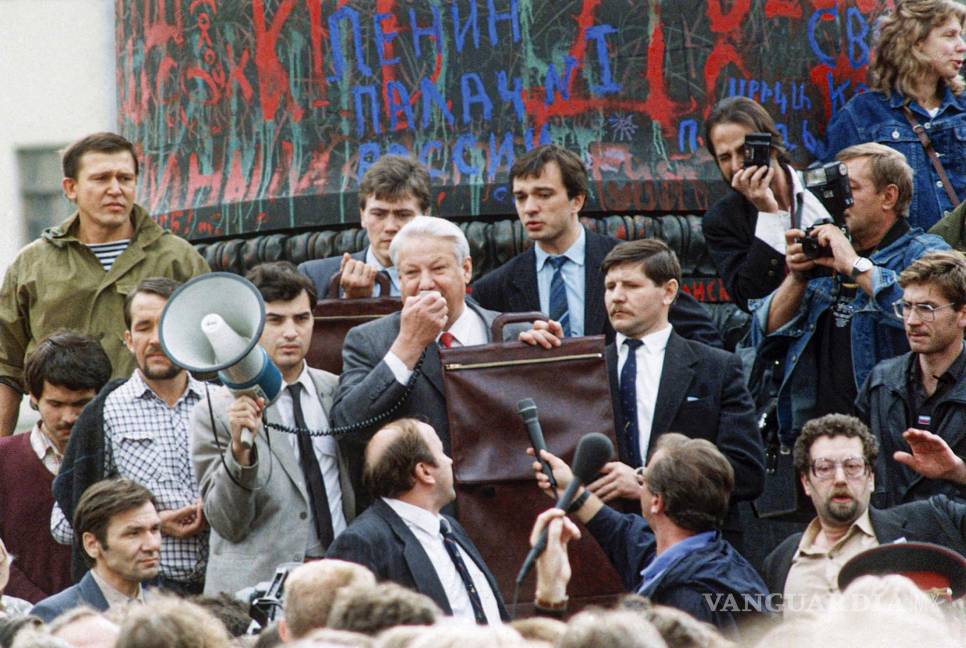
<point>919,51</point>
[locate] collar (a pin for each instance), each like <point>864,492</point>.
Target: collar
<point>653,342</point>
<point>951,375</point>
<point>305,379</point>
<point>42,445</point>
<point>676,552</point>
<point>141,390</point>
<point>112,595</point>
<point>145,229</point>
<point>862,525</point>
<point>896,101</point>
<point>415,515</point>
<point>576,252</point>
<point>373,261</point>
<point>897,231</point>
<point>464,326</point>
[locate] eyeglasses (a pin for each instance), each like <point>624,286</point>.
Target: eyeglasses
<point>825,469</point>
<point>925,312</point>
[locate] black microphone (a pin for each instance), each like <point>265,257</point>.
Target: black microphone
<point>593,451</point>
<point>527,410</point>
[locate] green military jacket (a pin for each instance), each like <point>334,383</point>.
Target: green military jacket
<point>56,282</point>
<point>950,228</point>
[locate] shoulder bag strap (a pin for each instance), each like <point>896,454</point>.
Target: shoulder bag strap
<point>931,152</point>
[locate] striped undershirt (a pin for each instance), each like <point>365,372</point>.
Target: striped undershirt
<point>107,253</point>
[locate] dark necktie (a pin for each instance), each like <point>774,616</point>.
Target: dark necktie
<point>559,309</point>
<point>628,392</point>
<point>453,549</point>
<point>314,483</point>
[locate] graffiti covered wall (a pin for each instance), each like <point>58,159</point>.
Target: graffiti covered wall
<point>261,115</point>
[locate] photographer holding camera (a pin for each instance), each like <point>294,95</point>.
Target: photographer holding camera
<point>745,230</point>
<point>833,311</point>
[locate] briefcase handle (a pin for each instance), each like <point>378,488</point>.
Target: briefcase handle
<point>496,328</point>
<point>381,278</point>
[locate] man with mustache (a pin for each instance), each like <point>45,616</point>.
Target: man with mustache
<point>834,456</point>
<point>119,532</point>
<point>138,429</point>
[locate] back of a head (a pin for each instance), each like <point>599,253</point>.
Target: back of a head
<point>329,638</point>
<point>540,628</point>
<point>593,628</point>
<point>310,590</point>
<point>12,626</point>
<point>402,636</point>
<point>463,634</point>
<point>169,622</point>
<point>374,608</point>
<point>38,639</point>
<point>681,630</point>
<point>232,613</point>
<point>87,625</point>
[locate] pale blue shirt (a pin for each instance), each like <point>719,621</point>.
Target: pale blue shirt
<point>372,261</point>
<point>574,278</point>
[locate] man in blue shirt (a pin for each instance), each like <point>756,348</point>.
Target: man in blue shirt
<point>560,274</point>
<point>673,552</point>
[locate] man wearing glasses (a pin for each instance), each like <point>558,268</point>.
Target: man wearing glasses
<point>923,390</point>
<point>834,456</point>
<point>831,318</point>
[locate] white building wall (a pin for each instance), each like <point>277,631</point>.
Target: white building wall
<point>57,83</point>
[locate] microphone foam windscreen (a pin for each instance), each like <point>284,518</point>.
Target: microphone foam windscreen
<point>593,451</point>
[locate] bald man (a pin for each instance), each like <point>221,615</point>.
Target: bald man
<point>310,591</point>
<point>404,538</point>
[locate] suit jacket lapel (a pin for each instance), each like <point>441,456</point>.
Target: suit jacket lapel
<point>594,317</point>
<point>91,593</point>
<point>524,294</point>
<point>470,549</point>
<point>424,575</point>
<point>283,451</point>
<point>676,378</point>
<point>610,355</point>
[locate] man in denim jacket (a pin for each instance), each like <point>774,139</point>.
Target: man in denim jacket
<point>835,326</point>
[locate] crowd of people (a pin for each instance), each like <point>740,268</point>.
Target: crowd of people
<point>808,485</point>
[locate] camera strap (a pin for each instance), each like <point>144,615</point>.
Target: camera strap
<point>931,152</point>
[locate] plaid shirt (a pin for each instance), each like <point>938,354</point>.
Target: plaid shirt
<point>147,441</point>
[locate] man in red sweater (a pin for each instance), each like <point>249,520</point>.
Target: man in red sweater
<point>63,374</point>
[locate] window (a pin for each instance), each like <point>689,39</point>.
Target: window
<point>43,199</point>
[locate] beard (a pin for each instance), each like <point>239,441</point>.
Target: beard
<point>161,373</point>
<point>844,512</point>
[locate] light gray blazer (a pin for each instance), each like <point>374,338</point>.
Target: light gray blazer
<point>253,531</point>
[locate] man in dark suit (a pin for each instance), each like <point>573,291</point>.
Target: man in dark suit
<point>834,456</point>
<point>119,529</point>
<point>661,382</point>
<point>392,192</point>
<point>404,538</point>
<point>393,363</point>
<point>549,188</point>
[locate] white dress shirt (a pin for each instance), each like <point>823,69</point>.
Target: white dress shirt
<point>425,526</point>
<point>326,451</point>
<point>650,366</point>
<point>771,226</point>
<point>469,329</point>
<point>574,276</point>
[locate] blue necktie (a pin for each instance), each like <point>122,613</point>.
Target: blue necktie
<point>453,549</point>
<point>628,393</point>
<point>559,310</point>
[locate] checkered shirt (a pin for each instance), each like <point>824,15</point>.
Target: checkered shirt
<point>147,441</point>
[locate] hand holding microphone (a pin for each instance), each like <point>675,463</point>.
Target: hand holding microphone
<point>527,410</point>
<point>593,451</point>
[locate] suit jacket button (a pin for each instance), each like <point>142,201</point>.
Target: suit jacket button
<point>303,515</point>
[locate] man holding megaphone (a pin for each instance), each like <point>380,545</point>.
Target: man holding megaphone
<point>286,496</point>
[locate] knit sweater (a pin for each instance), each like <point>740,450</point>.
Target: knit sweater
<point>42,567</point>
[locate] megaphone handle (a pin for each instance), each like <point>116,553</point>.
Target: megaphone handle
<point>246,438</point>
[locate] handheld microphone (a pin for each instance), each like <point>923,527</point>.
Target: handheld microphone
<point>527,410</point>
<point>593,451</point>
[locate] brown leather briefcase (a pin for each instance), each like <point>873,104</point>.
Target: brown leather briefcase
<point>334,318</point>
<point>497,498</point>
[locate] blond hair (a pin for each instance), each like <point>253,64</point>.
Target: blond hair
<point>897,63</point>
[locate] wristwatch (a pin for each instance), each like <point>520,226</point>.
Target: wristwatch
<point>861,265</point>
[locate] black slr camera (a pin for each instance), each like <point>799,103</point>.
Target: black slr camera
<point>757,149</point>
<point>830,184</point>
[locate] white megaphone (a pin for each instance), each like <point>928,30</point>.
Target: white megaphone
<point>213,323</point>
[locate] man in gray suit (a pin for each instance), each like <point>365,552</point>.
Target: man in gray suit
<point>380,358</point>
<point>287,497</point>
<point>393,191</point>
